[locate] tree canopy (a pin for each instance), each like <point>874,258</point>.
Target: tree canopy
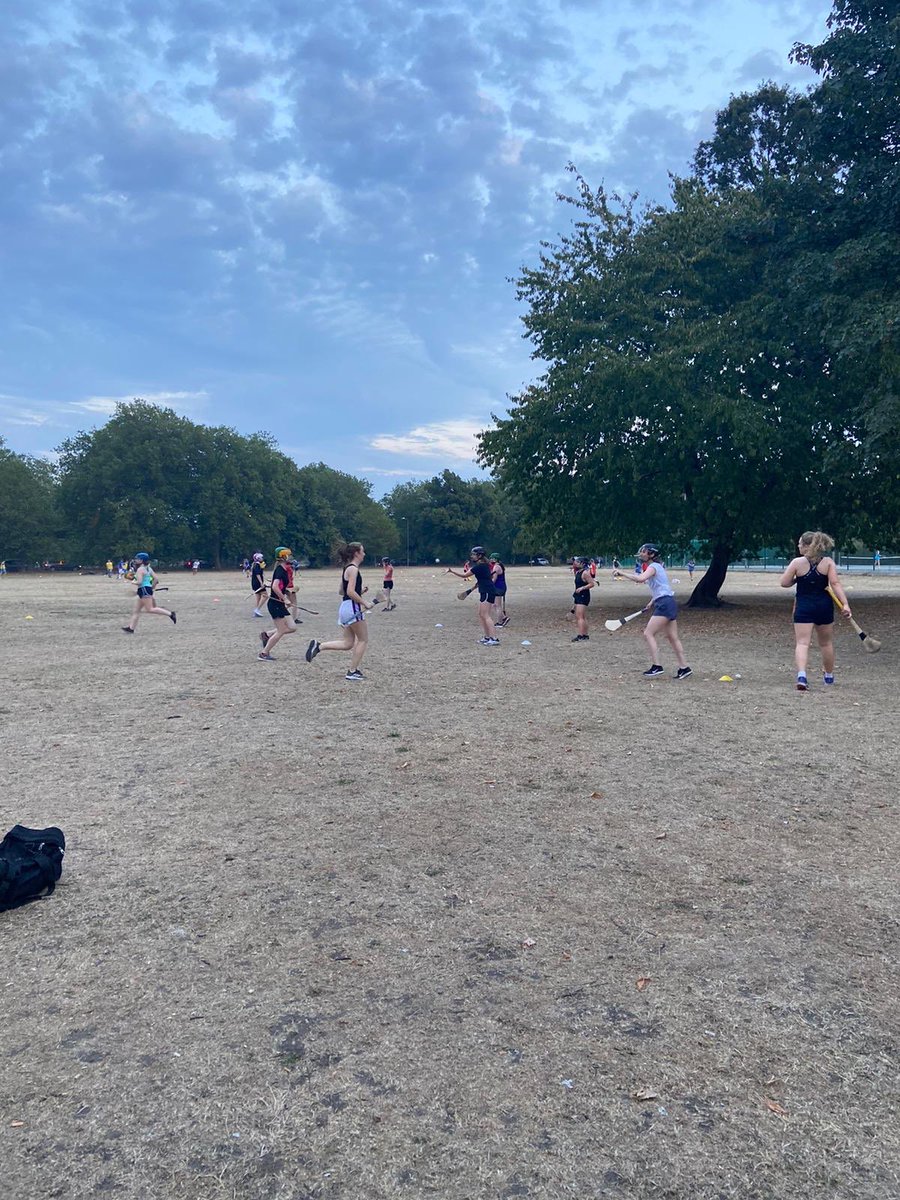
<point>725,367</point>
<point>28,516</point>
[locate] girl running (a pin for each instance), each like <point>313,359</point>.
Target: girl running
<point>581,597</point>
<point>258,583</point>
<point>813,571</point>
<point>498,577</point>
<point>144,602</point>
<point>278,606</point>
<point>665,610</point>
<point>352,612</point>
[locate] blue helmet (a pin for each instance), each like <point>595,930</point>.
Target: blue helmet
<point>142,557</point>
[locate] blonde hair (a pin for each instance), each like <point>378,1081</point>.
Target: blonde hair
<point>815,544</point>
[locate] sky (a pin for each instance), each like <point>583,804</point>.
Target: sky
<point>306,217</point>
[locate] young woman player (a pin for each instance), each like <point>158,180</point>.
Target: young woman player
<point>479,568</point>
<point>498,577</point>
<point>352,611</point>
<point>278,605</point>
<point>581,597</point>
<point>665,610</point>
<point>813,571</point>
<point>144,602</point>
<point>258,583</point>
<point>387,584</point>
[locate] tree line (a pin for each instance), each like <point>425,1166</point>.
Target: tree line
<point>152,480</point>
<point>726,367</point>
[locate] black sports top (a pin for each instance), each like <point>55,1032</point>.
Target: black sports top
<point>359,585</point>
<point>283,578</point>
<point>482,573</point>
<point>813,583</point>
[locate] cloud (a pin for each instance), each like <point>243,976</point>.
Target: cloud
<point>442,440</point>
<point>106,405</point>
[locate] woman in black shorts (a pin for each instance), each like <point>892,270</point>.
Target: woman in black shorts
<point>813,571</point>
<point>278,605</point>
<point>581,597</point>
<point>480,570</point>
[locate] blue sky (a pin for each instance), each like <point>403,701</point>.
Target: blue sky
<point>303,217</point>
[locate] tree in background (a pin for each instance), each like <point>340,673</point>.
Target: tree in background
<point>447,515</point>
<point>726,369</point>
<point>347,512</point>
<point>28,515</point>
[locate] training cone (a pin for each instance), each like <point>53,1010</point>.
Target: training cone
<point>215,599</point>
<point>29,618</point>
<point>725,679</point>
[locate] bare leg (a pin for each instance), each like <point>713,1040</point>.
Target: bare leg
<point>485,616</point>
<point>282,627</point>
<point>803,636</point>
<point>360,643</point>
<point>825,634</point>
<point>581,620</point>
<point>654,626</point>
<point>674,641</point>
<point>346,644</point>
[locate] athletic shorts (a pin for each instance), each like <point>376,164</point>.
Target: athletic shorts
<point>277,610</point>
<point>666,606</point>
<point>500,589</point>
<point>388,584</point>
<point>142,592</point>
<point>813,610</point>
<point>487,595</point>
<point>349,613</point>
<point>582,598</point>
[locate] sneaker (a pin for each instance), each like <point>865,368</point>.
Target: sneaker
<point>172,617</point>
<point>656,669</point>
<point>264,639</point>
<point>127,629</point>
<point>490,642</point>
<point>827,679</point>
<point>312,650</point>
<point>802,684</point>
<point>683,673</point>
<point>264,657</point>
<point>257,614</point>
<point>581,637</point>
<point>357,674</point>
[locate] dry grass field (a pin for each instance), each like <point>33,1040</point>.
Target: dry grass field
<point>494,923</point>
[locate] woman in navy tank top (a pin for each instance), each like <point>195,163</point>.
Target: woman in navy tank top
<point>812,572</point>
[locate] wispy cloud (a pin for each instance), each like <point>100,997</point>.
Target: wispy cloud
<point>442,440</point>
<point>106,405</point>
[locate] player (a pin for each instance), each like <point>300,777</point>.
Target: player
<point>812,572</point>
<point>649,570</point>
<point>144,602</point>
<point>351,613</point>
<point>581,597</point>
<point>258,583</point>
<point>278,605</point>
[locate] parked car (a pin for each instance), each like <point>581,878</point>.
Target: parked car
<point>542,562</point>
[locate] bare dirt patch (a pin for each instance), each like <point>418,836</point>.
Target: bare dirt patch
<point>505,922</point>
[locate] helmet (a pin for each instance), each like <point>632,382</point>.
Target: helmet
<point>142,557</point>
<point>494,557</point>
<point>651,550</point>
<point>477,552</point>
<point>257,557</point>
<point>283,552</point>
<point>385,561</point>
<point>579,558</point>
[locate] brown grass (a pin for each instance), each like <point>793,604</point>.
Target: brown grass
<point>317,939</point>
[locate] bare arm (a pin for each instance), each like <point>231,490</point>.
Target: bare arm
<point>835,585</point>
<point>352,593</point>
<point>789,577</point>
<point>644,577</point>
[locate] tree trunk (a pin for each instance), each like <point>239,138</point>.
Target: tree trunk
<point>706,593</point>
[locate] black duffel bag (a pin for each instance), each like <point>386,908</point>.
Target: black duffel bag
<point>30,864</point>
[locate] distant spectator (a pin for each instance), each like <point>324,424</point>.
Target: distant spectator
<point>876,560</point>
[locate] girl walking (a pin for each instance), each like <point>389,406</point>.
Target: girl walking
<point>144,603</point>
<point>665,610</point>
<point>352,612</point>
<point>278,606</point>
<point>812,572</point>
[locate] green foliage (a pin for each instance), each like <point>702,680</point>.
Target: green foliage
<point>346,512</point>
<point>726,368</point>
<point>28,514</point>
<point>447,515</point>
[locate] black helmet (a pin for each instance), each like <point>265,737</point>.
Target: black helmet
<point>649,548</point>
<point>477,552</point>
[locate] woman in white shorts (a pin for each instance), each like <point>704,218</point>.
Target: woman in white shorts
<point>352,612</point>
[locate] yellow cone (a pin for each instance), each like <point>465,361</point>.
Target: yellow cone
<point>725,679</point>
<point>29,618</point>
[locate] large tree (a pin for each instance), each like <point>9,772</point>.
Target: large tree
<point>348,513</point>
<point>726,368</point>
<point>28,516</point>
